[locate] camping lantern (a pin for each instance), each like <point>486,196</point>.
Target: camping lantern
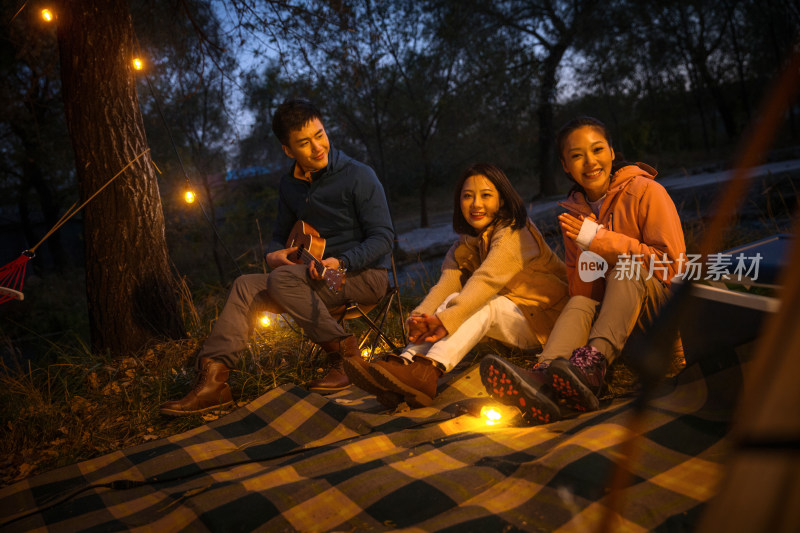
<point>47,15</point>
<point>490,415</point>
<point>365,353</point>
<point>266,321</point>
<point>138,64</point>
<point>189,196</point>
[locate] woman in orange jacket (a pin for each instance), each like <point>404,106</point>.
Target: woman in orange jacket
<point>623,244</point>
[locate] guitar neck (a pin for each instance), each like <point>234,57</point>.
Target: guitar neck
<point>333,277</point>
<point>306,239</point>
<point>307,258</point>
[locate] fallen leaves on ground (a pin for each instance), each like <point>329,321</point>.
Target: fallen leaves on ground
<point>24,471</point>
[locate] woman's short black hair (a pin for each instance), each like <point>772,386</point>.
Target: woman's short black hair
<point>292,115</point>
<point>512,212</point>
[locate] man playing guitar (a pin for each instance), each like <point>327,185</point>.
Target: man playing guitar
<point>342,200</point>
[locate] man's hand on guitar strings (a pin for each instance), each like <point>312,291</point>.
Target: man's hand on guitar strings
<point>280,257</point>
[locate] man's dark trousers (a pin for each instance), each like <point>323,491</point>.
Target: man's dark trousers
<point>287,289</point>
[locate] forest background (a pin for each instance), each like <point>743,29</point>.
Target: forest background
<point>416,89</point>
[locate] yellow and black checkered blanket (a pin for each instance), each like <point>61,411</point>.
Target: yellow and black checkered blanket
<point>295,461</point>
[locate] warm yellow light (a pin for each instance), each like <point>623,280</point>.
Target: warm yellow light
<point>491,416</point>
<point>189,197</point>
<point>47,15</point>
<point>138,64</point>
<point>365,353</point>
<point>265,321</point>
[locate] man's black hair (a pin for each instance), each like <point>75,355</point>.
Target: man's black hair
<point>292,115</point>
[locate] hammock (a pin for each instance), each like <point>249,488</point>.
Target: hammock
<point>12,275</point>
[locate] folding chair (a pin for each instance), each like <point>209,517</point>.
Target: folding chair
<point>353,310</point>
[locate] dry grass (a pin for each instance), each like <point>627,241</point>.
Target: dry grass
<point>79,405</point>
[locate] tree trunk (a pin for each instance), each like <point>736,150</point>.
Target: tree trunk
<point>724,110</point>
<point>423,188</point>
<point>34,177</point>
<point>215,242</point>
<point>694,87</point>
<point>50,211</point>
<point>24,211</point>
<point>547,95</point>
<point>740,67</point>
<point>130,289</point>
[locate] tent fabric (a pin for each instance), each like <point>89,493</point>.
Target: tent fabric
<point>295,461</point>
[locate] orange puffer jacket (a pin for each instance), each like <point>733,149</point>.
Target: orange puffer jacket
<point>638,219</point>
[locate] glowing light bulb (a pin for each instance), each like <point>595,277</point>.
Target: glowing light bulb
<point>189,197</point>
<point>265,321</point>
<point>491,416</point>
<point>138,64</point>
<point>47,15</point>
<point>365,353</point>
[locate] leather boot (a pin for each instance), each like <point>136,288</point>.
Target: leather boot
<point>358,373</point>
<point>211,391</point>
<point>336,379</point>
<point>416,381</point>
<point>348,347</point>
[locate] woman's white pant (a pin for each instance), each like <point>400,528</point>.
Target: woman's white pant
<point>499,319</point>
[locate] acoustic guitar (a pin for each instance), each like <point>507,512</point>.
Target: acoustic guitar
<point>310,248</point>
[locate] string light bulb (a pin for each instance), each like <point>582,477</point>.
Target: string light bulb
<point>490,415</point>
<point>365,353</point>
<point>266,321</point>
<point>47,15</point>
<point>189,196</point>
<point>138,64</point>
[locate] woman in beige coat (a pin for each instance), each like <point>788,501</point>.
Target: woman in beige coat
<point>499,280</point>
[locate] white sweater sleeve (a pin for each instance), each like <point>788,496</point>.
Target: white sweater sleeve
<point>589,229</point>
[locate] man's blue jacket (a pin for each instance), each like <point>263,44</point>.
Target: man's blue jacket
<point>346,203</point>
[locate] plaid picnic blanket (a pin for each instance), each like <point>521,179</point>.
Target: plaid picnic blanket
<point>295,461</point>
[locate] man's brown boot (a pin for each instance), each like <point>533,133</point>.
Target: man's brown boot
<point>210,392</point>
<point>336,379</point>
<point>416,381</point>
